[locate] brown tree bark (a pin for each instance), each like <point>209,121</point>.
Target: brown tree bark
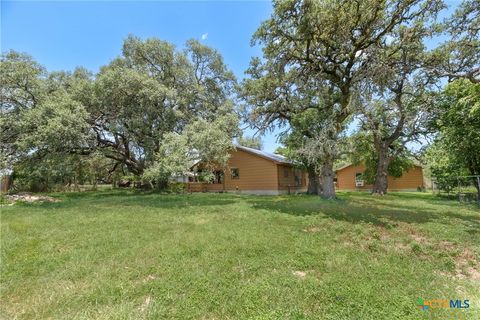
<point>161,184</point>
<point>327,176</point>
<point>380,186</point>
<point>313,181</point>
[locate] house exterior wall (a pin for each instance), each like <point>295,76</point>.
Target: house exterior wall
<point>256,175</point>
<point>286,179</point>
<point>410,180</point>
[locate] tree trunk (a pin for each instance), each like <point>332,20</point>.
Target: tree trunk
<point>381,176</point>
<point>476,183</point>
<point>161,184</point>
<point>327,176</point>
<point>313,181</point>
<point>5,183</point>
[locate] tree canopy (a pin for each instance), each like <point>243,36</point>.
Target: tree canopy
<point>315,56</point>
<point>456,149</point>
<point>130,112</point>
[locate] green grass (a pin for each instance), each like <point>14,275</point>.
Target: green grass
<point>128,255</point>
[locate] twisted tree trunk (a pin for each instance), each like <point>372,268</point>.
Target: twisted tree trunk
<point>313,181</point>
<point>381,177</point>
<point>327,176</point>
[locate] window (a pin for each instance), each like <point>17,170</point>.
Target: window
<point>235,173</point>
<point>218,177</point>
<point>359,179</point>
<point>285,172</point>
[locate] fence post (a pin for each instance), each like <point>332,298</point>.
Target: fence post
<point>478,190</point>
<point>458,191</point>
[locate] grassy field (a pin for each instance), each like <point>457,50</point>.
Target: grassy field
<point>128,255</point>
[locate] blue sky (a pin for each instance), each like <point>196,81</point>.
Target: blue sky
<point>63,35</point>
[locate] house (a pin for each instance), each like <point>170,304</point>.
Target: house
<point>350,177</point>
<point>252,171</point>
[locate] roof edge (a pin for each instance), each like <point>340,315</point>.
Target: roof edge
<point>415,164</point>
<point>276,158</point>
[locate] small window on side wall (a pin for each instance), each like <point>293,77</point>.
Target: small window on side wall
<point>285,172</point>
<point>359,179</point>
<point>235,173</point>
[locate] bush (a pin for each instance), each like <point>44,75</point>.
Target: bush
<point>177,187</point>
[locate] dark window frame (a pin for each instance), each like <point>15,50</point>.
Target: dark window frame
<point>234,176</point>
<point>359,174</point>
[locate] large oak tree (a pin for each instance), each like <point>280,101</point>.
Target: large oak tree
<point>327,42</point>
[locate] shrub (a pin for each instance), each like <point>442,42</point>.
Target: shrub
<point>176,187</point>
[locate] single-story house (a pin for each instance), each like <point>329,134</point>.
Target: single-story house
<point>350,177</point>
<point>253,171</point>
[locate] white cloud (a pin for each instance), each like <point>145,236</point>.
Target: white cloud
<point>204,36</point>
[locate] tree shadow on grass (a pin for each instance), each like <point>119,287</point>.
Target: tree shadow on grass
<point>369,210</point>
<point>134,198</point>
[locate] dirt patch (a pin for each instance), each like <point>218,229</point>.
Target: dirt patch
<point>473,273</point>
<point>413,233</point>
<point>300,274</point>
<point>418,238</point>
<point>150,277</point>
<point>447,246</point>
<point>382,233</point>
<point>312,229</point>
<point>27,197</point>
<point>402,247</point>
<point>467,256</point>
<point>467,266</point>
<point>145,304</point>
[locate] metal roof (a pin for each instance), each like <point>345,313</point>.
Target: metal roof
<point>270,156</point>
<point>415,164</point>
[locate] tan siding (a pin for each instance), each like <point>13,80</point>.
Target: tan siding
<point>411,179</point>
<point>256,173</point>
<point>346,178</point>
<point>285,182</point>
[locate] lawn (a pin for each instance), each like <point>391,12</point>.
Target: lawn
<point>131,255</point>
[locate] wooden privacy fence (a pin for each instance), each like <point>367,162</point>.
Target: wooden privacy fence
<point>197,187</point>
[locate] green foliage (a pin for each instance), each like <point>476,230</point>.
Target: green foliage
<point>58,124</point>
<point>176,187</point>
<point>459,56</point>
<point>360,150</point>
<point>202,141</point>
<point>58,171</point>
<point>316,56</point>
<point>133,113</point>
<point>282,150</point>
<point>152,93</point>
<point>22,89</point>
<point>250,142</point>
<point>456,151</point>
<point>53,172</point>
